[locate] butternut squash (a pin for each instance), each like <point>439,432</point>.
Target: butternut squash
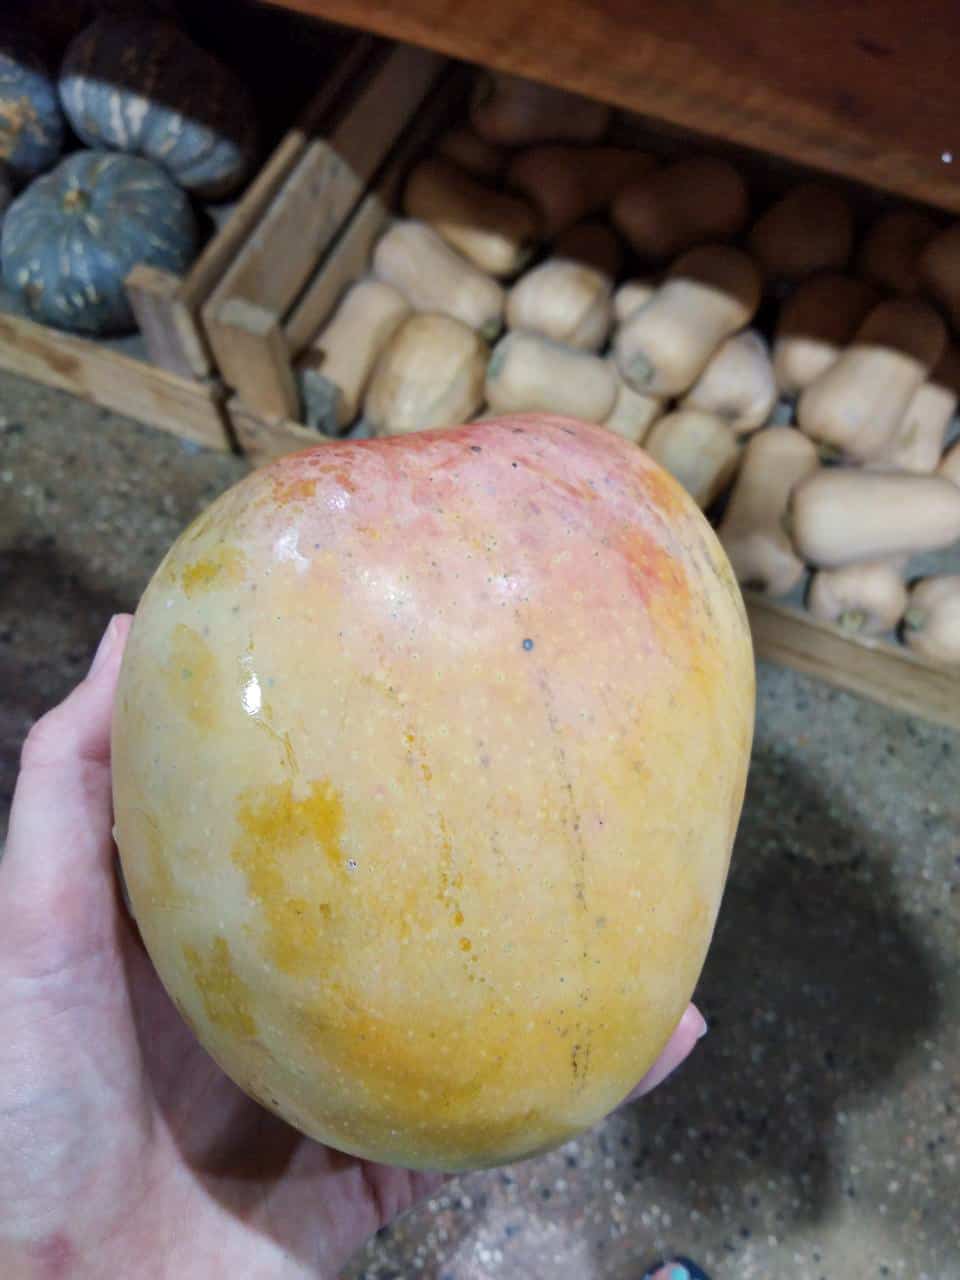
<point>630,297</point>
<point>495,231</point>
<point>336,367</point>
<point>810,229</point>
<point>891,250</point>
<point>763,557</point>
<point>471,152</point>
<point>709,294</point>
<point>529,373</point>
<point>430,375</point>
<point>931,625</point>
<point>949,467</point>
<point>419,263</point>
<point>633,413</point>
<point>698,449</point>
<point>565,301</point>
<point>940,269</point>
<point>737,384</point>
<point>592,244</point>
<point>567,184</point>
<point>864,599</point>
<point>685,203</point>
<point>816,322</point>
<point>515,112</point>
<point>917,444</point>
<point>856,406</point>
<point>844,515</point>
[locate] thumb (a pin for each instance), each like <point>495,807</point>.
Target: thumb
<point>57,872</point>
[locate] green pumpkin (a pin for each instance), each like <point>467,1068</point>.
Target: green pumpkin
<point>72,237</point>
<point>142,86</point>
<point>31,122</point>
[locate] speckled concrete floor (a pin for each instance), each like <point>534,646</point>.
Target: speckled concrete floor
<point>816,1131</point>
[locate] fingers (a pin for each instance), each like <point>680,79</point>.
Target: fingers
<point>59,845</point>
<point>691,1028</point>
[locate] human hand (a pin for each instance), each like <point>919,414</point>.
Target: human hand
<point>126,1151</point>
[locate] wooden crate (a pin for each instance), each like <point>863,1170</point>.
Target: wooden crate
<point>264,419</point>
<point>166,374</point>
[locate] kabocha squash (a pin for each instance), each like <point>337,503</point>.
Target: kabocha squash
<point>6,191</point>
<point>142,86</point>
<point>752,531</point>
<point>31,122</point>
<point>709,293</point>
<point>70,240</point>
<point>495,231</point>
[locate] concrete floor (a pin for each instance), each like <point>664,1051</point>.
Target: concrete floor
<point>816,1131</point>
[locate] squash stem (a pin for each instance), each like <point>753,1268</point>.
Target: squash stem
<point>76,200</point>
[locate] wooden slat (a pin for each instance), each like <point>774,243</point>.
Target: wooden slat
<point>263,440</point>
<point>894,677</point>
<point>349,257</point>
<point>132,387</point>
<point>865,90</point>
<point>254,352</point>
<point>168,327</point>
<point>207,272</point>
<point>325,185</point>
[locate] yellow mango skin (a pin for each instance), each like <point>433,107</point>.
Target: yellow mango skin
<point>428,757</point>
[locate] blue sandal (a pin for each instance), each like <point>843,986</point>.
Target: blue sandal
<point>676,1269</point>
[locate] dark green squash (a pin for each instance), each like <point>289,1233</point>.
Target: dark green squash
<point>31,122</point>
<point>70,240</point>
<point>141,85</point>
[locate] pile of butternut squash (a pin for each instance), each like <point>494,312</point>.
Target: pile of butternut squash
<point>537,265</point>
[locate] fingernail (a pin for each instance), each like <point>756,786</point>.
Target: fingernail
<point>704,1028</point>
<point>104,648</point>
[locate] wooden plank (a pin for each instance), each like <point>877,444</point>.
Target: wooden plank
<point>207,272</point>
<point>131,387</point>
<point>254,359</point>
<point>169,328</point>
<point>875,669</point>
<point>325,185</point>
<point>865,90</point>
<point>349,258</point>
<point>262,441</point>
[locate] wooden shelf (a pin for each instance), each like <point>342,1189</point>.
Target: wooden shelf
<point>869,91</point>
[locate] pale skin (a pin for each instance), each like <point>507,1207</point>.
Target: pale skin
<point>126,1151</point>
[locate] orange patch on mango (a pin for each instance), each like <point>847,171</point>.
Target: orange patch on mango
<point>285,850</point>
<point>226,997</point>
<point>192,677</point>
<point>227,565</point>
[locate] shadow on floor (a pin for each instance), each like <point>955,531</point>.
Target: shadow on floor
<point>51,619</point>
<point>818,991</point>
